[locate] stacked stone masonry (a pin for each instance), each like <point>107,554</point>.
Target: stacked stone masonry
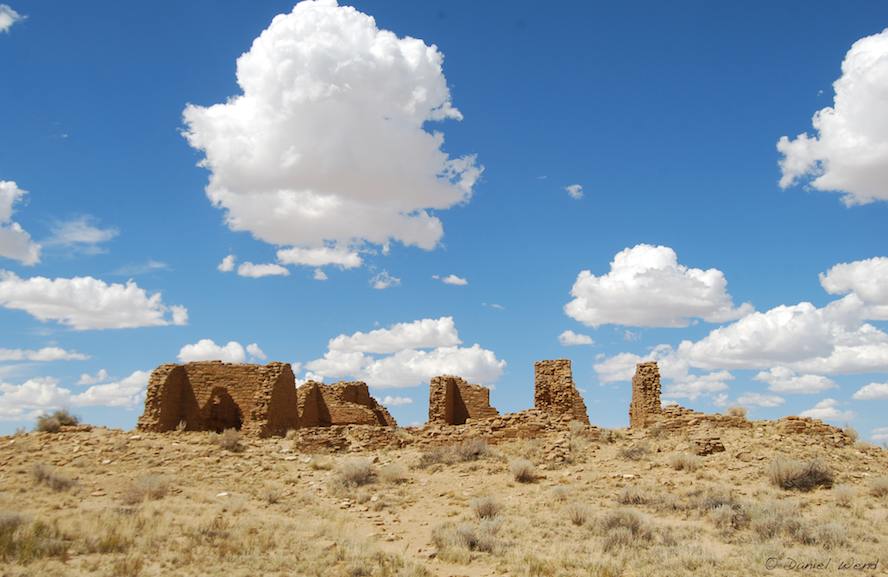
<point>344,403</point>
<point>213,396</point>
<point>453,401</point>
<point>645,401</point>
<point>554,390</point>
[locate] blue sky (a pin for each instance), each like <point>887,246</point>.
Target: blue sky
<point>668,117</point>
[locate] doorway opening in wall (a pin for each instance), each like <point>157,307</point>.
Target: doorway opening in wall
<point>223,412</point>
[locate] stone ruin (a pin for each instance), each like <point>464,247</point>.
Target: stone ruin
<point>214,396</point>
<point>343,403</point>
<point>453,400</point>
<point>645,395</point>
<point>554,390</point>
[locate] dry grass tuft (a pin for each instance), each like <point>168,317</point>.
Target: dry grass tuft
<point>623,528</point>
<point>796,475</point>
<point>463,452</point>
<point>485,507</point>
<point>45,475</point>
<point>24,542</point>
<point>879,487</point>
<point>523,471</point>
<point>355,472</point>
<point>851,432</point>
<point>456,541</point>
<point>685,462</point>
<point>632,495</point>
<point>578,513</point>
<point>393,474</point>
<point>634,452</point>
<point>230,440</point>
<point>147,488</point>
<point>736,411</point>
<point>53,422</point>
<point>844,495</point>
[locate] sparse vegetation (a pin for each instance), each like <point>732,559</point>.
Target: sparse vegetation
<point>879,487</point>
<point>844,495</point>
<point>684,461</point>
<point>393,474</point>
<point>25,542</point>
<point>851,432</point>
<point>634,452</point>
<point>578,513</point>
<point>736,411</point>
<point>355,472</point>
<point>800,476</point>
<point>146,488</point>
<point>45,475</point>
<point>456,540</point>
<point>632,495</point>
<point>485,507</point>
<point>53,422</point>
<point>465,451</point>
<point>523,471</point>
<point>230,440</point>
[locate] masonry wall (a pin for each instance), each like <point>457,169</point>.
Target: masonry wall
<point>645,403</point>
<point>555,392</point>
<point>453,400</point>
<point>343,403</point>
<point>213,396</point>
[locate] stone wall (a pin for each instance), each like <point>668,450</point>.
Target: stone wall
<point>213,396</point>
<point>554,390</point>
<point>343,403</point>
<point>645,401</point>
<point>453,400</point>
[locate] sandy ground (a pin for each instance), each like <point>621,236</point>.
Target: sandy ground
<point>110,502</point>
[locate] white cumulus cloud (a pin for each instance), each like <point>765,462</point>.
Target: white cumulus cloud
<point>760,400</point>
<point>879,435</point>
<point>46,354</point>
<point>227,263</point>
<point>84,303</point>
<point>208,350</point>
<point>128,392</point>
<point>849,152</point>
<point>451,279</point>
<point>326,145</point>
<point>828,410</point>
<point>80,234</point>
<point>251,270</point>
<point>254,351</point>
<point>571,339</point>
<point>100,377</point>
<point>575,191</point>
<point>646,286</point>
<point>871,392</point>
<point>15,242</point>
<point>391,401</point>
<point>868,279</point>
<point>8,17</point>
<point>320,256</point>
<point>785,380</point>
<point>384,280</point>
<point>406,355</point>
<point>319,274</point>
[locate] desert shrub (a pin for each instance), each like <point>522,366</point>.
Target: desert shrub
<point>729,518</point>
<point>844,495</point>
<point>684,462</point>
<point>467,450</point>
<point>485,507</point>
<point>830,535</point>
<point>796,475</point>
<point>393,474</point>
<point>523,470</point>
<point>619,537</point>
<point>230,440</point>
<point>736,411</point>
<point>356,472</point>
<point>45,475</point>
<point>851,432</point>
<point>578,513</point>
<point>320,464</point>
<point>147,488</point>
<point>879,487</point>
<point>623,528</point>
<point>634,452</point>
<point>270,494</point>
<point>612,435</point>
<point>709,499</point>
<point>632,495</point>
<point>560,493</point>
<point>53,422</point>
<point>454,540</point>
<point>576,427</point>
<point>24,542</point>
<point>768,519</point>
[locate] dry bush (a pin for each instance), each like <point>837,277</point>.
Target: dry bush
<point>706,500</point>
<point>147,488</point>
<point>578,513</point>
<point>844,495</point>
<point>271,494</point>
<point>736,411</point>
<point>45,475</point>
<point>393,474</point>
<point>560,493</point>
<point>485,507</point>
<point>523,470</point>
<point>830,535</point>
<point>632,495</point>
<point>467,450</point>
<point>576,427</point>
<point>796,475</point>
<point>455,541</point>
<point>320,464</point>
<point>729,518</point>
<point>634,452</point>
<point>230,440</point>
<point>53,422</point>
<point>879,487</point>
<point>24,542</point>
<point>355,472</point>
<point>624,528</point>
<point>685,462</point>
<point>851,432</point>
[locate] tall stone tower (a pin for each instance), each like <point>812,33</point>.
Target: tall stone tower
<point>645,394</point>
<point>554,391</point>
